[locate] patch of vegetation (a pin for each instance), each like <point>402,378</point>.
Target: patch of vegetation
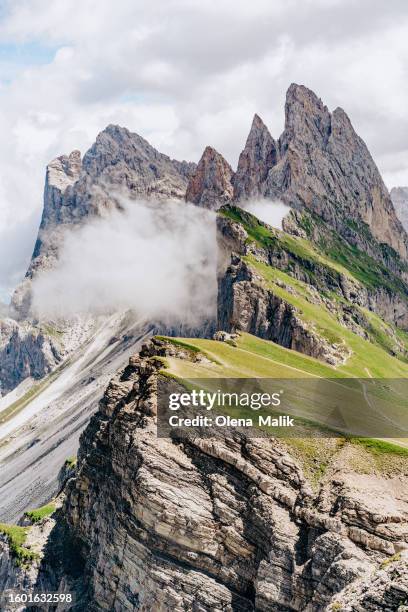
<point>381,447</point>
<point>70,462</point>
<point>37,515</point>
<point>314,455</point>
<point>254,228</point>
<point>362,267</point>
<point>52,331</point>
<point>277,241</point>
<point>16,537</point>
<point>364,355</point>
<point>332,251</point>
<point>307,222</point>
<point>179,342</point>
<point>388,336</point>
<point>390,560</point>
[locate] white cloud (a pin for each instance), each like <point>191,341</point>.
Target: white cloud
<point>186,74</point>
<point>157,259</point>
<point>271,212</point>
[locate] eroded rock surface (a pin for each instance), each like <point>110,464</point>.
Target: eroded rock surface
<point>25,352</point>
<point>245,304</point>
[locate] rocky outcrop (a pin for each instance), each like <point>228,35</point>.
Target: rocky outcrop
<point>19,567</point>
<point>399,197</point>
<point>12,576</point>
<point>120,160</point>
<point>386,589</point>
<point>25,352</point>
<point>120,165</point>
<point>226,523</point>
<point>245,304</point>
<point>258,157</point>
<point>321,164</point>
<point>210,186</point>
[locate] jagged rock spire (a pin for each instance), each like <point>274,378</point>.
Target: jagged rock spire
<point>257,158</point>
<point>210,186</point>
<point>326,167</point>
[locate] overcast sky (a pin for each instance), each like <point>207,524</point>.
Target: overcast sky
<point>184,74</point>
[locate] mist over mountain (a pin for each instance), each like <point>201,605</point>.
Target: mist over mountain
<point>158,260</point>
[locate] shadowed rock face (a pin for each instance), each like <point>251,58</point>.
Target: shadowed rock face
<point>25,353</point>
<point>399,197</point>
<point>210,185</point>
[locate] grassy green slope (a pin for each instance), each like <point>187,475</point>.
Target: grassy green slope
<point>332,251</point>
<point>367,358</point>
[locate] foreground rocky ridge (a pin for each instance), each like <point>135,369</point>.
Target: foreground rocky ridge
<point>229,523</point>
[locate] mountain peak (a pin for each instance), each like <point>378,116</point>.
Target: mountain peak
<point>210,186</point>
<point>259,155</point>
<point>257,122</point>
<point>306,117</point>
<point>211,153</point>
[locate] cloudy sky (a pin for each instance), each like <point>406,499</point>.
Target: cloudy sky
<point>184,74</point>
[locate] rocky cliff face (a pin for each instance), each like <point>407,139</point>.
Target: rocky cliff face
<point>119,165</point>
<point>319,164</point>
<point>25,353</point>
<point>244,304</point>
<point>229,523</point>
<point>399,197</point>
<point>120,160</point>
<point>210,185</point>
